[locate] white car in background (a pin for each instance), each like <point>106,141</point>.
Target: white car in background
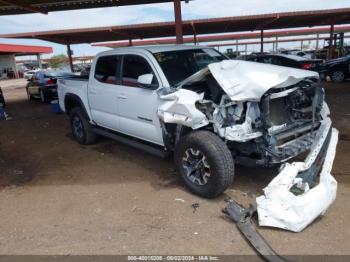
<point>305,54</point>
<point>29,74</point>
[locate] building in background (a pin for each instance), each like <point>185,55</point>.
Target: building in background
<point>8,54</point>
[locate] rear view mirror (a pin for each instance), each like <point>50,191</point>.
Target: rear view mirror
<point>145,80</point>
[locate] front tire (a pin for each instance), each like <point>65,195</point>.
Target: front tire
<point>338,76</point>
<point>205,163</point>
<point>81,128</point>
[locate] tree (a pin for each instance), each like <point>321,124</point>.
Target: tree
<point>58,61</point>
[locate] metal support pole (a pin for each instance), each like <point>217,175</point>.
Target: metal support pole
<point>39,61</point>
<point>262,41</point>
<point>15,71</point>
<point>317,42</point>
<point>246,48</point>
<point>301,45</point>
<point>195,40</point>
<point>330,48</point>
<point>130,42</point>
<point>236,47</point>
<point>178,22</point>
<point>70,59</point>
<point>276,45</point>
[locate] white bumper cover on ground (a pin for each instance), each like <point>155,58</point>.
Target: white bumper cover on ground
<point>279,207</point>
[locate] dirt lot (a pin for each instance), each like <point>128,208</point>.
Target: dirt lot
<point>57,197</point>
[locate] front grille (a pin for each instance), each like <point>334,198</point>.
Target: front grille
<point>279,114</point>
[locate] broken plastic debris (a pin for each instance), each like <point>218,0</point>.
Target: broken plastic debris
<point>279,207</point>
<point>195,206</point>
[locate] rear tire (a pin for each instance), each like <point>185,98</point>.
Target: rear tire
<point>338,76</point>
<point>205,163</point>
<point>81,128</point>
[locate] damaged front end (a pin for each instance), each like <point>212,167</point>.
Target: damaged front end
<point>267,115</point>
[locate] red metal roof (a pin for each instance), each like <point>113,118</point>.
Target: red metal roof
<point>226,37</point>
<point>199,26</point>
<point>24,49</point>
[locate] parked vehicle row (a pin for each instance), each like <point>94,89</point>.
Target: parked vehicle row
<point>338,70</point>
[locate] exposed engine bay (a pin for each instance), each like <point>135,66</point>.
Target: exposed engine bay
<point>279,126</point>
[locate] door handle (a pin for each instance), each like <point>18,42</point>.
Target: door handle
<point>92,92</point>
<point>122,96</point>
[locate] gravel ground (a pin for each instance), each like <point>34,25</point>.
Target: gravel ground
<point>58,197</point>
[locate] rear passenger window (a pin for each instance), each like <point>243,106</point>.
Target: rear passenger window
<point>106,69</point>
<point>267,60</point>
<point>133,67</point>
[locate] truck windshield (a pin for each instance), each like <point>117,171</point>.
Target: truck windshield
<point>181,64</point>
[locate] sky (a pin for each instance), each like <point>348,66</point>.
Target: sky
<point>146,13</point>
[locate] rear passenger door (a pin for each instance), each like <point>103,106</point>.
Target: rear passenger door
<point>138,105</point>
<point>103,92</point>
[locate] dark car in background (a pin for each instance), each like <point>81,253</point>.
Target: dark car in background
<point>338,69</point>
<point>2,99</point>
<point>43,85</point>
<point>290,61</point>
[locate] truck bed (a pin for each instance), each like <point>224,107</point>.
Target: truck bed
<point>72,86</point>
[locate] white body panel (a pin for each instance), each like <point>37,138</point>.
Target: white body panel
<point>75,87</point>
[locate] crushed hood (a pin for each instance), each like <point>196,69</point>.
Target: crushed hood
<point>249,81</point>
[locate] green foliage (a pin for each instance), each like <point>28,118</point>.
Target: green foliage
<point>58,61</point>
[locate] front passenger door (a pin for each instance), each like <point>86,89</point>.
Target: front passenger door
<point>138,105</point>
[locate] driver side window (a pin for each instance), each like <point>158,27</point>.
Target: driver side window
<point>133,67</point>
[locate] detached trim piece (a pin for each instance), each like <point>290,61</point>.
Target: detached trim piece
<point>243,219</point>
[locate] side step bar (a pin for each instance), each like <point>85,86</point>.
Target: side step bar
<point>132,142</point>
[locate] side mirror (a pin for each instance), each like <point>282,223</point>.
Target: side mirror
<point>145,80</point>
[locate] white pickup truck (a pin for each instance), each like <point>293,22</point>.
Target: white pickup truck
<point>210,113</point>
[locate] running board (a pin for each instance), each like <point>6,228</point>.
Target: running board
<point>132,142</point>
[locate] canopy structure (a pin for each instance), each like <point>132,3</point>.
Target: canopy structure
<point>193,27</point>
<point>235,36</point>
<point>6,49</point>
<point>14,7</point>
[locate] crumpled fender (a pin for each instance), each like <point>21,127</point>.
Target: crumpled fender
<point>179,108</point>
